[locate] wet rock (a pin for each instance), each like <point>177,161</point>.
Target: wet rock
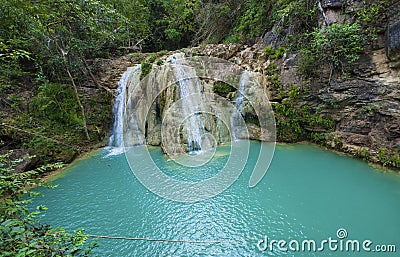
<point>393,42</point>
<point>274,38</point>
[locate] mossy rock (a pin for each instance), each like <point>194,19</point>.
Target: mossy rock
<point>223,89</point>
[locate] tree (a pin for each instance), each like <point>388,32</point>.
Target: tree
<point>335,46</point>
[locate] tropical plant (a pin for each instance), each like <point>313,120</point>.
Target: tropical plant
<point>21,232</point>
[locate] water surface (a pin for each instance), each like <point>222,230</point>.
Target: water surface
<point>307,193</point>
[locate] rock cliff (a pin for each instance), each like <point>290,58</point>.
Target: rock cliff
<point>364,107</point>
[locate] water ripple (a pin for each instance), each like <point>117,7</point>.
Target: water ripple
<point>106,199</point>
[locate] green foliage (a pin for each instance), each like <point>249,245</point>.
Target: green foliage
<point>291,19</point>
<point>49,124</point>
<point>363,153</point>
<point>268,51</point>
<point>146,68</point>
<point>368,109</point>
<point>251,21</point>
<point>246,20</point>
<point>300,15</point>
<point>251,118</point>
<point>308,64</point>
<point>273,77</point>
<point>159,62</point>
<point>387,158</point>
<point>154,56</point>
<point>274,54</point>
<point>338,143</point>
<point>107,27</point>
<point>395,159</point>
<point>294,121</point>
<point>367,15</point>
<point>57,103</point>
<point>10,58</point>
<point>56,39</point>
<point>335,47</point>
<point>172,23</point>
<point>148,63</point>
<point>43,31</point>
<point>21,232</point>
<point>15,101</point>
<point>223,89</point>
<point>382,156</point>
<point>318,138</point>
<point>45,148</point>
<point>279,52</point>
<point>215,21</point>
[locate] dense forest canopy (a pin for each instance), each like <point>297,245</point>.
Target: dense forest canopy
<point>97,26</point>
<point>48,47</point>
<point>31,30</point>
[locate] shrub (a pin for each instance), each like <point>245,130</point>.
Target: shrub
<point>292,118</point>
<point>274,54</point>
<point>56,102</point>
<point>146,68</point>
<point>335,46</point>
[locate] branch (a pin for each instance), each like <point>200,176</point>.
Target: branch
<point>63,55</point>
<point>93,77</point>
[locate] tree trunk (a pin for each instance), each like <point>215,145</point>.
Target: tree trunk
<point>63,54</point>
<point>93,77</point>
<point>77,98</point>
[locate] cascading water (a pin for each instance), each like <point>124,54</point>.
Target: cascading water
<point>195,130</point>
<point>125,130</point>
<point>151,111</point>
<point>237,119</point>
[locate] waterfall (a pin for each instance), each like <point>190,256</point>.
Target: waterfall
<point>183,118</point>
<point>191,108</point>
<point>125,131</point>
<point>237,119</point>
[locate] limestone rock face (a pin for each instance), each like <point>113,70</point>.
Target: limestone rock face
<point>365,106</point>
<point>366,109</point>
<point>175,105</point>
<point>366,112</point>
